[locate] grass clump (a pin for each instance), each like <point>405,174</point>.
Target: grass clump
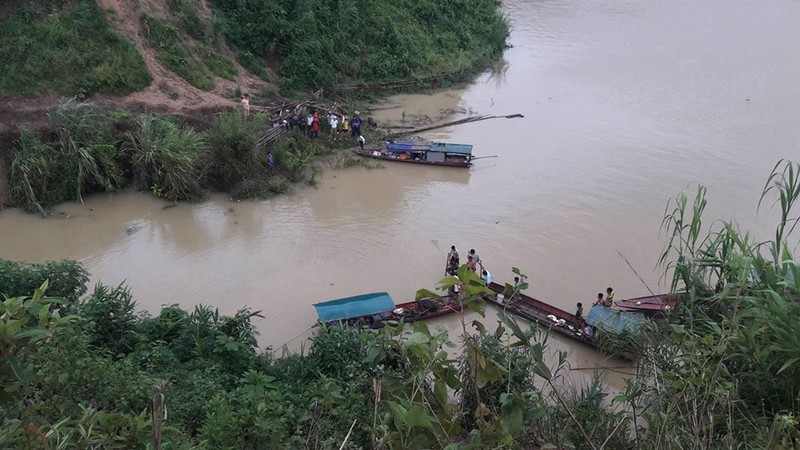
<point>82,159</point>
<point>167,158</point>
<point>231,142</point>
<point>165,39</point>
<point>67,48</point>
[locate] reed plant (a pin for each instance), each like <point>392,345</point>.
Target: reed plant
<point>82,159</point>
<point>167,159</point>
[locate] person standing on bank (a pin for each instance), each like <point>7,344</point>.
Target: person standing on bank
<point>246,105</point>
<point>355,125</point>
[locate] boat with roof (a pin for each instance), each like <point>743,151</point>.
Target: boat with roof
<point>422,152</point>
<point>599,319</point>
<point>376,309</point>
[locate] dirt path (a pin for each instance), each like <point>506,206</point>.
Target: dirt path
<point>168,93</point>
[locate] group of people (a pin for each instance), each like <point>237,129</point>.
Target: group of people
<point>337,127</point>
<point>607,301</point>
<point>473,263</point>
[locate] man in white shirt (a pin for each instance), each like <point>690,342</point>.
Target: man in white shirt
<point>334,121</point>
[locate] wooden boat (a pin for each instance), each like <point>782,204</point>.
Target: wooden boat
<point>375,309</point>
<point>538,311</point>
<point>562,322</point>
<point>422,152</point>
<point>650,305</point>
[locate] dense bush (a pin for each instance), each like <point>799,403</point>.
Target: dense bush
<point>67,278</point>
<point>67,48</point>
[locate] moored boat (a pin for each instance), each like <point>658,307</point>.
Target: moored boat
<point>599,318</point>
<point>422,152</point>
<point>375,309</point>
<point>651,304</point>
<point>538,311</point>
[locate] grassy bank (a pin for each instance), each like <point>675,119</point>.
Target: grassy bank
<point>68,47</point>
<point>363,41</point>
<point>89,150</point>
<point>65,47</point>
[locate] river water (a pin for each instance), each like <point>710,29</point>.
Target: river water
<point>626,104</point>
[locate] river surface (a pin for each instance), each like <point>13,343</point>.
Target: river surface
<point>626,104</point>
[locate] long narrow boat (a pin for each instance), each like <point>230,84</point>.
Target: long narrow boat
<point>538,311</point>
<point>651,304</point>
<point>422,152</point>
<point>562,322</point>
<point>375,309</point>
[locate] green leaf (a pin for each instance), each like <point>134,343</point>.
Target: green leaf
<point>511,409</point>
<point>417,417</point>
<point>788,364</point>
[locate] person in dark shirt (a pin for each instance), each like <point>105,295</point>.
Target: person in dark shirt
<point>355,125</point>
<point>579,316</point>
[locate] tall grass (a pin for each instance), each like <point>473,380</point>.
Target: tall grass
<point>728,369</point>
<point>231,142</point>
<point>82,159</point>
<point>67,48</point>
<point>167,159</point>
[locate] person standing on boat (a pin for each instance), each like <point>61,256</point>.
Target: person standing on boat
<point>609,297</point>
<point>599,300</point>
<point>579,316</point>
<point>487,277</point>
<point>476,258</point>
<point>453,258</point>
<point>471,263</point>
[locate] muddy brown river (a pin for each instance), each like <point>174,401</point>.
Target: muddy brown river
<point>626,103</point>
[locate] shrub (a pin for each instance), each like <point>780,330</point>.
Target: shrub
<point>231,143</point>
<point>67,279</point>
<point>167,159</point>
<point>113,323</point>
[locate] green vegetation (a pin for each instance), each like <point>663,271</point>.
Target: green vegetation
<point>165,40</point>
<point>88,154</point>
<point>67,48</point>
<point>81,159</point>
<point>723,373</point>
<point>321,44</point>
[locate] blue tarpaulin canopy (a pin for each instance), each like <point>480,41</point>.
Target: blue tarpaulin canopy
<point>356,306</point>
<point>422,146</point>
<point>613,320</point>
